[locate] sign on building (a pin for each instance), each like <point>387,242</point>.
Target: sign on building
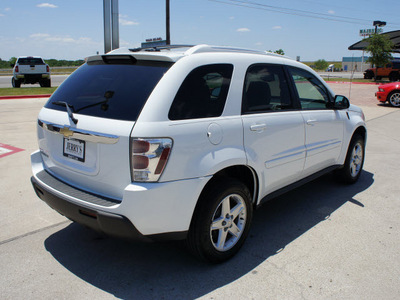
<point>369,32</point>
<point>156,42</point>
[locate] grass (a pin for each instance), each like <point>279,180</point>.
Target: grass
<point>26,91</point>
<point>53,71</point>
<point>339,79</point>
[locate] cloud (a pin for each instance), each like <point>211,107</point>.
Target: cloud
<point>7,9</point>
<point>1,15</point>
<point>331,12</point>
<point>258,44</point>
<point>46,5</point>
<point>231,18</point>
<point>277,27</point>
<point>44,37</point>
<point>242,30</point>
<point>123,20</point>
<point>39,35</point>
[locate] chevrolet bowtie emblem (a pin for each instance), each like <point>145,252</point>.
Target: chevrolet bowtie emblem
<point>66,132</point>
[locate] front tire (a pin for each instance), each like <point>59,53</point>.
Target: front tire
<point>221,221</point>
<point>394,98</point>
<point>353,165</point>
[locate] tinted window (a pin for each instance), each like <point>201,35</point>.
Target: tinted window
<point>265,89</point>
<point>203,93</point>
<point>30,61</point>
<point>312,93</point>
<point>114,91</point>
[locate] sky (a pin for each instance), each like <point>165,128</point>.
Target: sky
<point>311,29</point>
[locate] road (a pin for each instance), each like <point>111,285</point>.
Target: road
<point>321,241</point>
<point>56,80</point>
<point>348,75</point>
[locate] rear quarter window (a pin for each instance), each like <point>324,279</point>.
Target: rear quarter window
<point>203,93</point>
<point>107,90</point>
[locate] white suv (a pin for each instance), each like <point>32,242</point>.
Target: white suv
<point>184,143</point>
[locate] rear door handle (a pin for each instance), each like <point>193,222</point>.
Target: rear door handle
<point>258,127</point>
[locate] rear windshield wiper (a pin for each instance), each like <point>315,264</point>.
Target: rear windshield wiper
<point>69,111</point>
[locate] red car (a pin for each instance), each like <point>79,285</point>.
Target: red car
<point>389,92</point>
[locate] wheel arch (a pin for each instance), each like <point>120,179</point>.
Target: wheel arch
<point>243,173</point>
<point>361,130</point>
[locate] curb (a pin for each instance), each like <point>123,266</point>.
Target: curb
<point>348,82</point>
<point>24,97</point>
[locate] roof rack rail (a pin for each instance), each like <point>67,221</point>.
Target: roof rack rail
<point>193,49</point>
<point>209,48</point>
<point>159,48</point>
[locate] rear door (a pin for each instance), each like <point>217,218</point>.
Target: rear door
<point>273,127</point>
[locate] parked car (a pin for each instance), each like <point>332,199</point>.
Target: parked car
<point>390,70</point>
<point>184,143</point>
<point>31,70</point>
<point>389,92</point>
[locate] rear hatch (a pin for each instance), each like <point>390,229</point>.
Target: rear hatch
<point>84,129</point>
<point>31,65</point>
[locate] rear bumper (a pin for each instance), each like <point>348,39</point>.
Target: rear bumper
<point>32,78</point>
<point>110,224</point>
<point>147,211</point>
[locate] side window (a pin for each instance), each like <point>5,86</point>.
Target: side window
<point>312,93</point>
<point>203,93</point>
<point>265,89</point>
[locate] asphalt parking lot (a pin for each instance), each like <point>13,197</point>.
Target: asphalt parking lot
<point>321,241</point>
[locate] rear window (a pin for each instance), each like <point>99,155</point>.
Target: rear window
<point>112,91</point>
<point>30,61</point>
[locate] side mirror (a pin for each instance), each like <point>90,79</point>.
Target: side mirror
<point>341,102</point>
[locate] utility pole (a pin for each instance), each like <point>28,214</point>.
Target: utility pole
<point>107,25</point>
<point>168,36</point>
<point>111,26</point>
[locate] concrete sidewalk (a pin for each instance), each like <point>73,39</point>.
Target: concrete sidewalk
<point>321,241</point>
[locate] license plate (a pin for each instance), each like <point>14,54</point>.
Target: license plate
<point>74,149</point>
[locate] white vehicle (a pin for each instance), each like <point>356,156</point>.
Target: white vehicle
<point>31,69</point>
<point>185,143</point>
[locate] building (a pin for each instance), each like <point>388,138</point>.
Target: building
<point>355,64</point>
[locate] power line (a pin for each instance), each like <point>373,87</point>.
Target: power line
<point>295,12</point>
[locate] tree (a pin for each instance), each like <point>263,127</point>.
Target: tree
<point>12,61</point>
<point>380,48</point>
<point>321,64</point>
<point>280,51</point>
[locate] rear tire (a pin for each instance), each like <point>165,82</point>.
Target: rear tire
<point>15,83</point>
<point>394,76</point>
<point>351,170</point>
<point>221,221</point>
<point>45,83</point>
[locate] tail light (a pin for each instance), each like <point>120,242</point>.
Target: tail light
<point>47,69</point>
<point>149,158</point>
<point>16,69</point>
